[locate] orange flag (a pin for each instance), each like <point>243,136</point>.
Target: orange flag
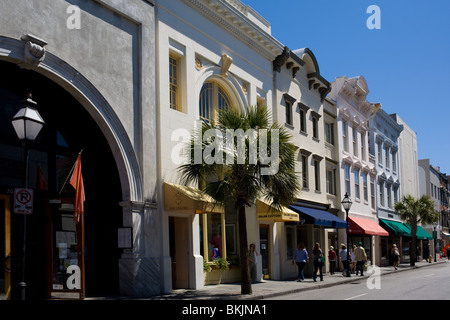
<point>77,182</point>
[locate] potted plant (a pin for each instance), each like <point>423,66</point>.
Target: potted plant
<point>222,264</point>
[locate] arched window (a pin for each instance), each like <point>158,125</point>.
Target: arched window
<point>212,99</point>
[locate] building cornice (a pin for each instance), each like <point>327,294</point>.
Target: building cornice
<point>231,15</point>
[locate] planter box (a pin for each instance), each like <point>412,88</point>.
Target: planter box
<point>217,277</point>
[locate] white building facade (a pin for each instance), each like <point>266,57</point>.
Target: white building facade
<point>357,167</point>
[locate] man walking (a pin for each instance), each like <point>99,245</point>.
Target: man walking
<point>361,258</point>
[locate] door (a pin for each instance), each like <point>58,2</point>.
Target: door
<point>65,251</point>
<point>264,250</point>
<point>179,251</point>
<point>5,247</point>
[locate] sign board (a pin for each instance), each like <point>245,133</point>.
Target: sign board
<point>23,201</point>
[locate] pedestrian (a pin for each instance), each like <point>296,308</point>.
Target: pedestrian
<point>361,258</point>
<point>300,258</point>
<point>448,253</point>
<point>343,254</point>
<point>353,259</point>
<point>252,261</point>
<point>318,261</point>
<point>332,258</point>
<point>395,255</point>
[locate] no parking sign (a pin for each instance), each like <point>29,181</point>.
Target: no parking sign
<point>23,201</point>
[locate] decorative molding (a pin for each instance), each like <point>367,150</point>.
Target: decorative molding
<point>34,49</point>
<point>226,64</point>
<point>233,17</point>
<point>198,63</point>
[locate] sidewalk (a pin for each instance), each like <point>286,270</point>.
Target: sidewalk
<point>273,288</point>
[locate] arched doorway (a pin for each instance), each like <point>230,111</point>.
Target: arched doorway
<point>69,129</point>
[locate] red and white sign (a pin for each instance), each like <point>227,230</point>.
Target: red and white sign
<point>23,201</point>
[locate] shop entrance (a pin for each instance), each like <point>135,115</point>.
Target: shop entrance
<point>179,251</point>
<point>69,129</point>
<point>264,250</point>
<point>65,247</point>
<point>5,247</point>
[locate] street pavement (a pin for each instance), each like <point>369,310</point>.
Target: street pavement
<point>274,288</point>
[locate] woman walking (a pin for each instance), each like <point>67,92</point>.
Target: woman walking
<point>318,262</point>
<point>395,255</point>
<point>300,258</point>
<point>332,258</point>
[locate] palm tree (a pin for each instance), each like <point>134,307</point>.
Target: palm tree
<point>239,183</point>
<point>413,212</point>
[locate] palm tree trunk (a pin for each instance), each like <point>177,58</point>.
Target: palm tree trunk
<point>246,285</point>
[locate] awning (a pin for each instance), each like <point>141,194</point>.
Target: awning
<point>395,227</point>
<point>421,233</point>
<point>366,226</point>
<point>265,212</point>
<point>319,217</point>
<point>188,199</point>
<point>403,229</point>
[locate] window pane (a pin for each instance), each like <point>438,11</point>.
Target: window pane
<point>173,79</point>
<point>205,103</point>
<point>214,236</point>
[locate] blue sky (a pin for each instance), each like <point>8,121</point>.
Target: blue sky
<point>406,63</point>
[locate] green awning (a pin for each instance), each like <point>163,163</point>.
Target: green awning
<point>396,228</point>
<point>403,229</point>
<point>421,233</point>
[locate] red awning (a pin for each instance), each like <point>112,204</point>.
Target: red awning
<point>366,226</point>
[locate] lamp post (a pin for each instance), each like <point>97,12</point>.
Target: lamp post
<point>27,123</point>
<point>347,204</point>
<point>435,224</point>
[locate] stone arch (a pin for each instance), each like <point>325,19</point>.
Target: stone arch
<point>68,78</point>
<point>232,86</point>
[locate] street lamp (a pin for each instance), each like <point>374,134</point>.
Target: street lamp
<point>27,123</point>
<point>347,204</point>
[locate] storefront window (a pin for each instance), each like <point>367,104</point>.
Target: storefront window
<point>290,248</point>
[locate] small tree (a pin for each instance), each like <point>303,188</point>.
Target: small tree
<point>239,180</point>
<point>413,212</point>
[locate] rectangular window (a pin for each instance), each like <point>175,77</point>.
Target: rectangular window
<point>329,133</point>
<point>347,179</point>
<point>315,124</point>
<point>363,146</point>
<point>290,248</point>
<point>355,141</point>
<point>357,187</point>
<point>305,171</point>
<point>386,158</point>
<point>344,135</point>
<point>213,236</point>
<point>302,121</point>
<point>395,195</point>
<point>331,187</point>
<point>174,80</point>
<point>317,174</point>
<point>394,161</point>
<point>380,156</point>
<point>381,194</point>
<point>288,112</point>
<point>366,195</point>
<point>389,197</point>
<point>372,193</point>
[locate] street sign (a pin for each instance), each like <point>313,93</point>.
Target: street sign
<point>23,201</point>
